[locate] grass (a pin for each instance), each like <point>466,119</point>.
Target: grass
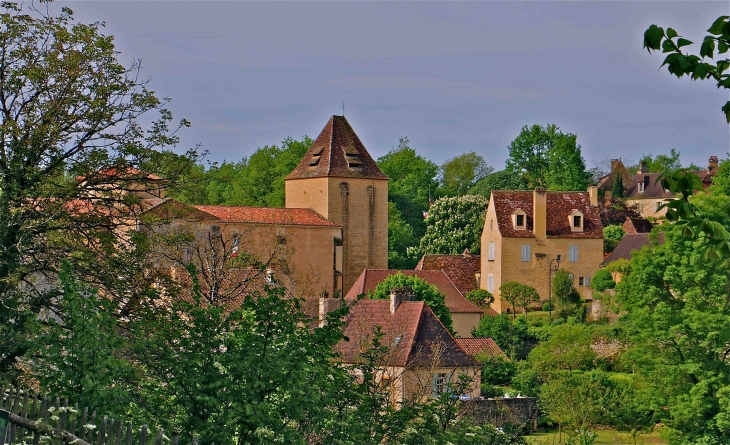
<point>603,437</point>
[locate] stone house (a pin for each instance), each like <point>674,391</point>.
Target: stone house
<point>465,315</point>
<point>526,232</point>
<point>422,359</point>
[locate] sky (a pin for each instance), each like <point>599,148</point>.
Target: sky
<point>453,77</point>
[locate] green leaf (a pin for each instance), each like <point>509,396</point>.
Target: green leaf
<point>722,46</point>
<point>668,46</point>
<point>716,28</point>
<point>653,38</point>
<point>671,33</point>
<point>683,42</point>
<point>726,110</point>
<point>707,49</point>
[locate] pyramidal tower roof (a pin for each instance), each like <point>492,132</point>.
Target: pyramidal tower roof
<point>337,152</point>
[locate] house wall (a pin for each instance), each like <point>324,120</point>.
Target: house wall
<point>418,382</point>
<point>464,322</point>
<point>647,207</point>
<point>360,206</point>
<point>490,233</point>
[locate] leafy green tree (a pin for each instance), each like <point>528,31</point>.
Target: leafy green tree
<point>72,129</point>
<point>400,238</point>
<point>482,298</point>
<point>512,337</point>
<point>617,189</point>
<point>567,347</point>
<point>566,298</point>
<point>612,235</point>
<point>501,180</point>
<point>453,225</point>
<point>422,290</point>
<point>721,181</point>
<point>413,180</point>
<point>662,163</point>
<point>461,173</point>
<point>546,157</point>
<point>602,280</point>
<point>696,67</point>
<point>510,291</point>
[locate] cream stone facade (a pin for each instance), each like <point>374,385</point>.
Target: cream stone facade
<point>523,252</point>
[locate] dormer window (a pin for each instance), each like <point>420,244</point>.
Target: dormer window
<point>316,156</point>
<point>519,219</point>
<point>575,219</point>
<point>352,156</point>
<point>641,187</point>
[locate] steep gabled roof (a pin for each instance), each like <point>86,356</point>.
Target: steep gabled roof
<point>337,152</point>
<point>414,335</point>
<point>628,244</point>
<point>455,301</point>
<point>474,346</point>
<point>461,269</point>
<point>559,206</point>
<point>637,225</point>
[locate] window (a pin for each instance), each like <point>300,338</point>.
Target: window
<point>520,220</point>
<point>491,251</point>
<point>576,221</point>
<point>573,254</point>
<point>525,254</point>
<point>639,207</point>
<point>587,281</point>
<point>491,224</point>
<point>580,281</point>
<point>440,383</point>
<point>490,283</point>
<point>641,187</point>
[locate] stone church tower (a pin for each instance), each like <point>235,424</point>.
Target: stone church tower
<point>338,179</point>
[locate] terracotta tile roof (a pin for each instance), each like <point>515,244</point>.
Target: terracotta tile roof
<point>337,152</point>
<point>617,167</point>
<point>637,225</point>
<point>461,269</point>
<point>629,243</point>
<point>455,301</point>
<point>474,346</point>
<point>412,332</point>
<point>265,215</point>
<point>559,206</point>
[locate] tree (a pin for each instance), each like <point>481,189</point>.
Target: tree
<point>615,212</point>
<point>482,298</point>
<point>72,150</point>
<point>400,238</point>
<point>548,158</point>
<point>617,189</point>
<point>612,235</point>
<point>663,163</point>
<point>422,290</point>
<point>567,347</point>
<point>510,291</point>
<point>602,280</point>
<point>527,295</point>
<point>696,67</point>
<point>461,173</point>
<point>453,225</point>
<point>512,337</point>
<point>566,298</point>
<point>501,180</point>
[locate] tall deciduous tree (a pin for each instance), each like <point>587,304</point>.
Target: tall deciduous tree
<point>462,172</point>
<point>547,157</point>
<point>662,162</point>
<point>501,180</point>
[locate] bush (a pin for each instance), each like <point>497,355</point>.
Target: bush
<point>602,280</point>
<point>480,297</point>
<point>547,307</point>
<point>611,236</point>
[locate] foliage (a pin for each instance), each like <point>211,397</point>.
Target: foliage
<point>566,298</point>
<point>675,305</point>
<point>602,280</point>
<point>615,212</point>
<point>453,225</point>
<point>568,347</point>
<point>612,235</point>
<point>501,180</point>
<point>400,238</point>
<point>413,180</point>
<point>721,180</point>
<point>496,370</point>
<point>511,336</point>
<point>71,130</point>
<point>696,67</point>
<point>662,163</point>
<point>617,188</point>
<point>482,298</point>
<point>461,173</point>
<point>622,266</point>
<point>547,157</point>
<point>422,290</point>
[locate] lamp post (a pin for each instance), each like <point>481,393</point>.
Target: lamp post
<point>550,280</point>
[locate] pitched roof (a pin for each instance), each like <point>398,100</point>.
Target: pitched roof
<point>559,206</point>
<point>461,269</point>
<point>414,334</point>
<point>629,243</point>
<point>266,215</point>
<point>652,188</point>
<point>337,152</point>
<point>617,167</point>
<point>637,225</point>
<point>455,301</point>
<point>474,346</point>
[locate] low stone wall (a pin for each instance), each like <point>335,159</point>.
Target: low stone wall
<point>501,411</point>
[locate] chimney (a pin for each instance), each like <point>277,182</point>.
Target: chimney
<point>593,195</point>
<point>399,295</point>
<point>643,168</point>
<point>712,165</point>
<point>539,212</point>
<point>614,164</point>
<point>327,305</point>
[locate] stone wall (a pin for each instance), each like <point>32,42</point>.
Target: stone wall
<point>502,411</point>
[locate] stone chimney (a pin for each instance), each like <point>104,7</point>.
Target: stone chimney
<point>539,213</point>
<point>712,164</point>
<point>327,305</point>
<point>643,168</point>
<point>614,164</point>
<point>593,195</point>
<point>399,295</point>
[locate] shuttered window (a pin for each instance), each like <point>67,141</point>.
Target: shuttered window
<point>491,251</point>
<point>490,283</point>
<point>573,254</point>
<point>525,254</point>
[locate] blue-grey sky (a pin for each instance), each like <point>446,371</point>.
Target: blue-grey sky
<point>452,76</point>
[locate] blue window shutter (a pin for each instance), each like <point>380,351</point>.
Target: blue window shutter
<point>573,254</point>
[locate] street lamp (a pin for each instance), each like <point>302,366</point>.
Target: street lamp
<point>550,280</point>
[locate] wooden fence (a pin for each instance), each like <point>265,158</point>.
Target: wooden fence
<point>30,418</point>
